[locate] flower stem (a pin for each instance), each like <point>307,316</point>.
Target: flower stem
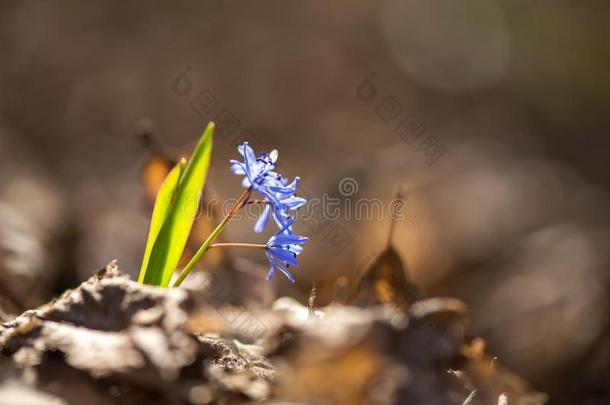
<point>243,199</point>
<point>237,245</point>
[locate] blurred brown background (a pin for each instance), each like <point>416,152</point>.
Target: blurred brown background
<point>508,213</point>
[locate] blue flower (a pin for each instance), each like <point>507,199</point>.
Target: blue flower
<point>260,175</point>
<point>283,201</point>
<point>282,251</point>
<point>258,172</point>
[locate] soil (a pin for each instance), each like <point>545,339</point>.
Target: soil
<point>112,340</point>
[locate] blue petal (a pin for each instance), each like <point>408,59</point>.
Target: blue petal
<point>285,256</point>
<point>247,162</point>
<point>263,220</point>
<point>295,183</point>
<point>271,272</point>
<point>283,188</point>
<point>293,202</point>
<point>284,270</point>
<point>250,161</point>
<point>289,239</point>
<point>237,168</point>
<point>277,265</point>
<point>286,273</point>
<point>281,219</point>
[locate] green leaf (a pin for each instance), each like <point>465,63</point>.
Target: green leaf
<point>173,234</point>
<point>163,202</point>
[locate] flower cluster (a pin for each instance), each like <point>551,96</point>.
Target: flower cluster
<point>280,201</point>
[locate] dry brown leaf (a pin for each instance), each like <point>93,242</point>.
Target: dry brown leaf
<point>385,282</point>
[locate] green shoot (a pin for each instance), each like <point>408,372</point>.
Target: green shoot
<point>159,215</point>
<point>174,214</point>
